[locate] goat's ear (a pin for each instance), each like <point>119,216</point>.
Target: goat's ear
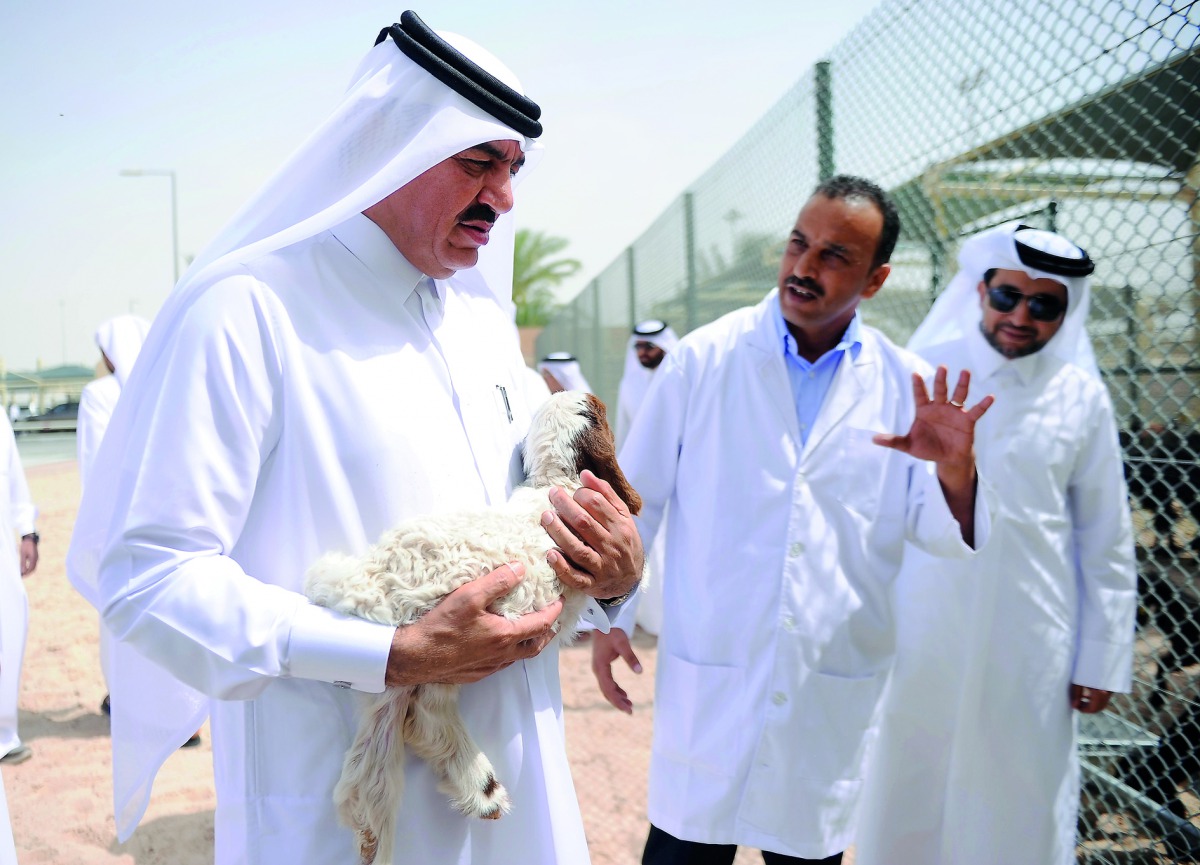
<point>596,451</point>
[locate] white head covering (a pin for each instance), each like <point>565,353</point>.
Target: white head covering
<point>636,378</point>
<point>121,339</point>
<point>395,122</point>
<point>1012,246</point>
<point>564,367</point>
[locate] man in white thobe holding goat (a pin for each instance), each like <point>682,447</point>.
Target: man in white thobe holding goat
<point>976,761</point>
<point>341,358</point>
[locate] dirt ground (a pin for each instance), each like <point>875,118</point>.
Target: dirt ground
<point>61,800</point>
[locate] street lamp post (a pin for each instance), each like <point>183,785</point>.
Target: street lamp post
<point>164,172</point>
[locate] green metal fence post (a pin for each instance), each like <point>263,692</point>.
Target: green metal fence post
<point>689,238</point>
<point>633,314</point>
<point>824,94</point>
<point>598,364</point>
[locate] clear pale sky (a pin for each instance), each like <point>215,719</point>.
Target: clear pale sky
<point>638,99</point>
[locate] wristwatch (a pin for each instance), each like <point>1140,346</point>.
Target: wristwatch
<point>619,599</point>
<point>33,536</point>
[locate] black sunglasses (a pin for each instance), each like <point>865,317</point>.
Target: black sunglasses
<point>1042,307</point>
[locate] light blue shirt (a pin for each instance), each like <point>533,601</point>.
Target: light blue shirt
<point>810,381</point>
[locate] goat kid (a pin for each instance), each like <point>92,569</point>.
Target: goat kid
<point>410,570</point>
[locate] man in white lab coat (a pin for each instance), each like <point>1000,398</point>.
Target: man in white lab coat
<point>976,761</point>
<point>763,432</point>
<point>341,358</point>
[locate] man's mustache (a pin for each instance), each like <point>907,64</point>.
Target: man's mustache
<point>479,213</point>
<point>805,282</point>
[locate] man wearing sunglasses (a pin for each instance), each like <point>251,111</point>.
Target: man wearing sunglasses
<point>976,759</point>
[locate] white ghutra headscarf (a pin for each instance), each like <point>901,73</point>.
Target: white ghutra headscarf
<point>121,339</point>
<point>636,378</point>
<point>566,370</point>
<point>1012,246</point>
<point>395,121</point>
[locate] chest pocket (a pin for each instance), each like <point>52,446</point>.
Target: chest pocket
<point>857,471</point>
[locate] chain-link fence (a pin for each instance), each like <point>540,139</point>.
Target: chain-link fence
<point>1078,115</point>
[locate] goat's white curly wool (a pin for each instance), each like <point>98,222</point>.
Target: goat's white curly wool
<point>410,570</point>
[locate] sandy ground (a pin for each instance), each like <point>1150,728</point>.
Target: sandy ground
<point>61,800</point>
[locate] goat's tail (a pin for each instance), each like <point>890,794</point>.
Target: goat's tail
<point>372,783</point>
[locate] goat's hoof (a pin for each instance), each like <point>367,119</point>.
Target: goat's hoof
<point>368,847</point>
<point>490,803</point>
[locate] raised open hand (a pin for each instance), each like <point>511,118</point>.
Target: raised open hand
<point>943,430</point>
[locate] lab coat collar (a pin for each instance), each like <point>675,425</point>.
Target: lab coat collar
<point>849,383</point>
<point>845,391</point>
<point>851,341</point>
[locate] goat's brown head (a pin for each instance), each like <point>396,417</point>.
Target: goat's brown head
<point>570,433</point>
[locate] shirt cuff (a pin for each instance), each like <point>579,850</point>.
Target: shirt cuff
<point>343,650</point>
<point>25,519</point>
<point>1107,666</point>
<point>598,616</point>
<point>940,532</point>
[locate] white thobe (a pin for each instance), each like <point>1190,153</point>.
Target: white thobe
<point>96,405</point>
<point>307,406</point>
<point>646,608</point>
<point>630,394</point>
<point>976,761</point>
<point>8,849</point>
<point>777,633</point>
<point>18,516</point>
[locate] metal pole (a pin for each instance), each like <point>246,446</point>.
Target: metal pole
<point>633,315</point>
<point>170,174</point>
<point>1132,325</point>
<point>598,343</point>
<point>174,230</point>
<point>824,96</point>
<point>689,239</point>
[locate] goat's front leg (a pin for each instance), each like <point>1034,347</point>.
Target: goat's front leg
<point>368,794</point>
<point>435,731</point>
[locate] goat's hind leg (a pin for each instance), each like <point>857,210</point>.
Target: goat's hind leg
<point>435,731</point>
<point>368,794</point>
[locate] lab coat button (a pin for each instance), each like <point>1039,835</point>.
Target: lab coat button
<point>795,549</point>
<point>779,699</point>
<point>789,624</point>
